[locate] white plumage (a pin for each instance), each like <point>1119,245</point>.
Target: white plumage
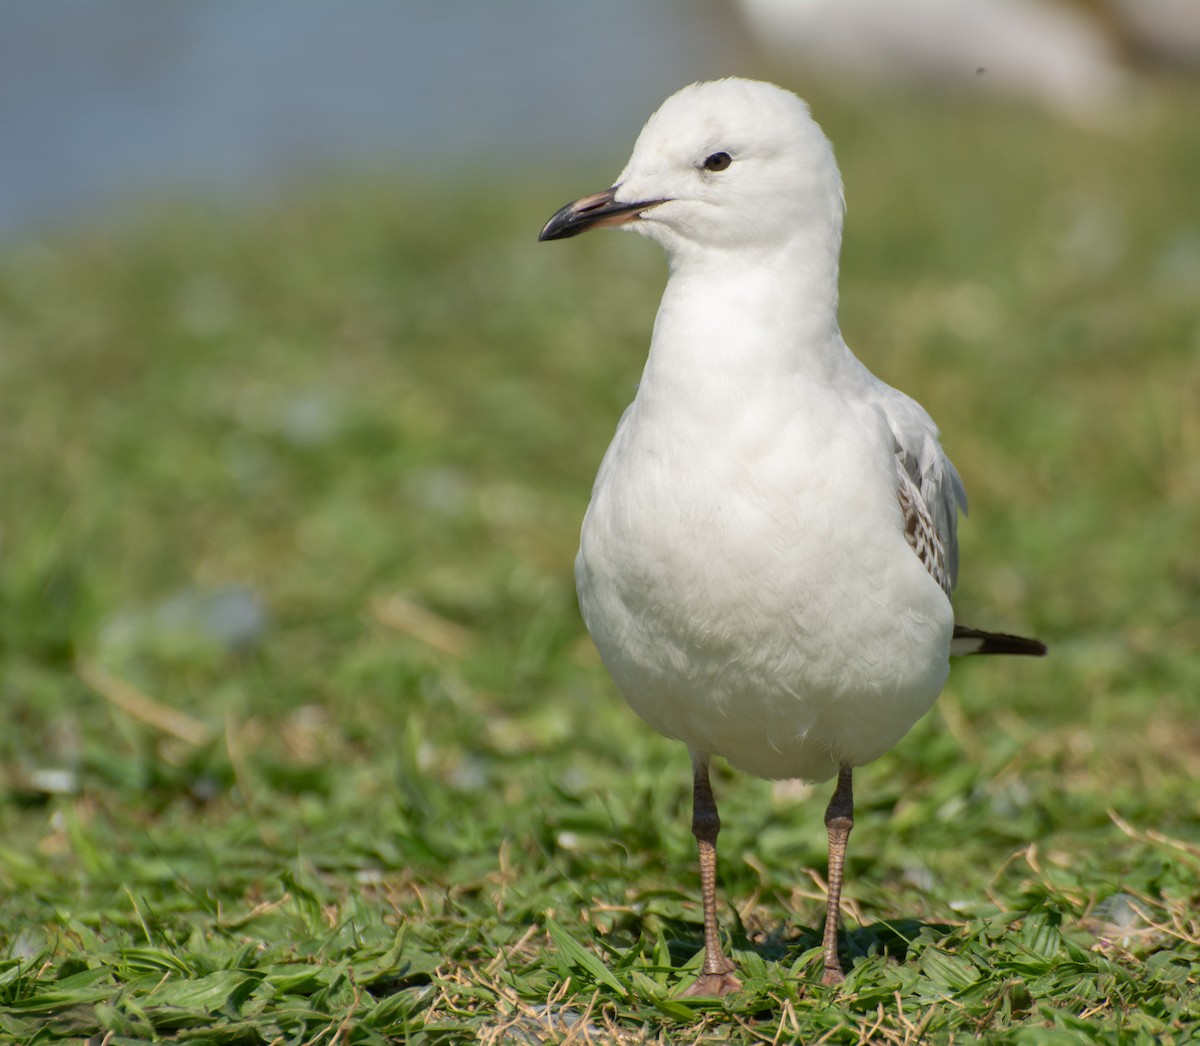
<point>766,561</point>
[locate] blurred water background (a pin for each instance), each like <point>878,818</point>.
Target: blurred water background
<point>106,104</point>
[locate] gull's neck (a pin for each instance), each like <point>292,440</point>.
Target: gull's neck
<point>730,321</point>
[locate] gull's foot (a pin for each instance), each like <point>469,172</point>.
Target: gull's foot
<point>712,985</point>
<point>832,976</point>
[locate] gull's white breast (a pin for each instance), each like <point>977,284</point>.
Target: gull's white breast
<point>744,574</point>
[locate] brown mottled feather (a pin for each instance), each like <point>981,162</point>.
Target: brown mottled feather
<point>921,534</point>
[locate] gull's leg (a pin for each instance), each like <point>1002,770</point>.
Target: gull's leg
<point>716,977</point>
<point>839,819</point>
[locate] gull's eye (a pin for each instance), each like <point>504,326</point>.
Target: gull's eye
<point>718,162</point>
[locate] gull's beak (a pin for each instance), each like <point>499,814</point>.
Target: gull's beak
<point>591,211</point>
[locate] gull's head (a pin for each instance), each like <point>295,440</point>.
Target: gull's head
<point>728,164</point>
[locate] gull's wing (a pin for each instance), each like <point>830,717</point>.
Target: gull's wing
<point>931,492</point>
<point>922,534</point>
<point>931,495</point>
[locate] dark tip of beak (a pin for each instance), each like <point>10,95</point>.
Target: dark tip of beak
<point>590,212</point>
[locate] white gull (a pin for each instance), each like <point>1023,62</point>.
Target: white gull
<point>767,560</point>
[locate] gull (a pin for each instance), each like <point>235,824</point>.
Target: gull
<point>767,559</point>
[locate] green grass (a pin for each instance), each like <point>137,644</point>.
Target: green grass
<point>364,825</point>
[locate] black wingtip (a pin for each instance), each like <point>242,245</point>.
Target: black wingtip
<point>975,641</point>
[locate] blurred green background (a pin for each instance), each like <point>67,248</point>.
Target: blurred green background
<point>304,739</point>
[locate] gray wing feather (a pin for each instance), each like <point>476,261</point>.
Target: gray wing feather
<point>922,535</point>
<point>930,476</point>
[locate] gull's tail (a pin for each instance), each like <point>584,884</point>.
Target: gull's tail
<point>976,641</point>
